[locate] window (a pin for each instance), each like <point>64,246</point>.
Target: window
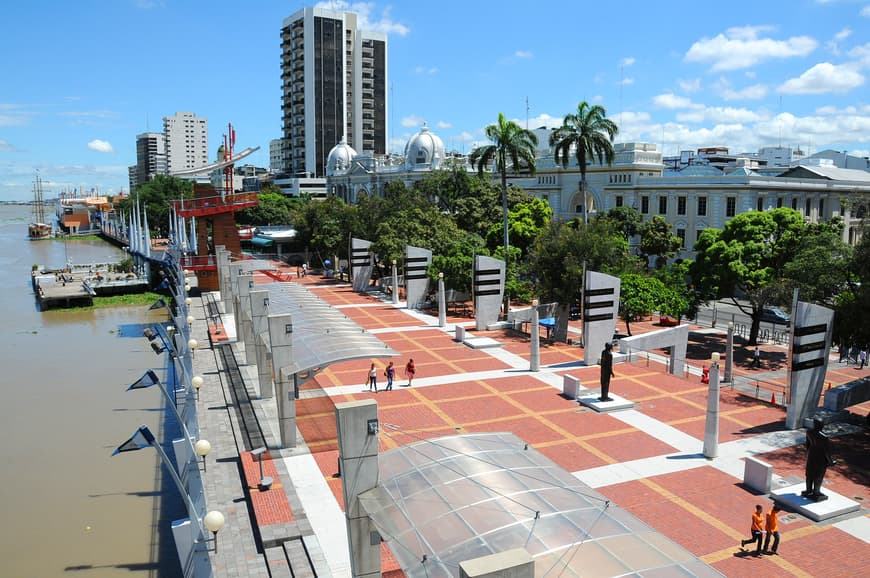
<point>821,208</point>
<point>698,234</point>
<point>759,204</point>
<point>681,233</point>
<point>779,202</point>
<point>681,205</point>
<point>730,206</point>
<point>644,204</point>
<point>807,211</point>
<point>619,201</point>
<point>702,206</point>
<point>794,204</point>
<point>663,205</point>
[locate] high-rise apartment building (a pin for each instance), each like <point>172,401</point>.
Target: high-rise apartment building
<point>334,86</point>
<point>150,158</point>
<point>186,138</point>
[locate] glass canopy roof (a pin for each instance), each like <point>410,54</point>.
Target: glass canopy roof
<point>443,501</point>
<point>322,334</point>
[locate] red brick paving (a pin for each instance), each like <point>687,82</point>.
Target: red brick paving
<point>270,506</point>
<point>703,509</point>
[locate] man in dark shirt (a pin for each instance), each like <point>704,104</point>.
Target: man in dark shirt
<point>606,371</point>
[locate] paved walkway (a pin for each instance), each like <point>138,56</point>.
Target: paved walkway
<point>647,459</point>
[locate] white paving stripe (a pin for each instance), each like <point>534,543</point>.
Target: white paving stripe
<point>321,508</point>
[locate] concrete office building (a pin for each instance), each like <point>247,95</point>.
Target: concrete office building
<point>150,158</point>
<point>186,141</point>
<point>334,86</point>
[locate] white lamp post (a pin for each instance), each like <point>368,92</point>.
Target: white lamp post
<point>711,426</point>
<point>197,382</point>
<point>188,301</point>
<point>729,354</point>
<point>534,338</point>
<point>202,448</point>
<point>190,320</point>
<point>214,521</point>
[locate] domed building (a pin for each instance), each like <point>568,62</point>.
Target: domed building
<point>349,175</point>
<point>339,159</point>
<point>424,151</point>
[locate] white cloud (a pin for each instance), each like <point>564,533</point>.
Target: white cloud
<point>101,146</point>
<point>543,120</point>
<point>627,61</point>
<point>671,101</point>
<point>523,54</point>
<point>627,81</point>
<point>754,92</point>
<point>823,78</point>
<point>834,45</point>
<point>862,55</point>
<point>413,121</point>
<point>424,70</point>
<point>741,47</point>
<point>843,34</point>
<point>690,86</point>
<point>366,18</point>
<point>6,147</point>
<point>443,124</point>
<point>865,11</point>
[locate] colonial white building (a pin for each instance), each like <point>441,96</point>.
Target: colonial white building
<point>697,197</point>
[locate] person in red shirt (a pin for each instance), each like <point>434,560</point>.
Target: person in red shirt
<point>772,526</point>
<point>410,371</point>
<point>757,530</point>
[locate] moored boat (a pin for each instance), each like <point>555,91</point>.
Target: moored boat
<point>39,228</point>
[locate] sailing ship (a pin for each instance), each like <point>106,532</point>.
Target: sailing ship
<point>39,228</point>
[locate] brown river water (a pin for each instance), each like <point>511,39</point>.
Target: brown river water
<point>68,508</point>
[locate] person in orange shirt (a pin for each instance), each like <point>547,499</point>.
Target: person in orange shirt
<point>757,530</point>
<point>772,526</point>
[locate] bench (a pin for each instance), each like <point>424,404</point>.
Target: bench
<point>846,395</point>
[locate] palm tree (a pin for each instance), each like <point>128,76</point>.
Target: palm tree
<point>512,146</point>
<point>590,134</point>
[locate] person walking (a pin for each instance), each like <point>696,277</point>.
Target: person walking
<point>390,373</point>
<point>373,378</point>
<point>757,530</point>
<point>771,525</point>
<point>410,371</point>
<point>862,358</point>
<point>756,357</point>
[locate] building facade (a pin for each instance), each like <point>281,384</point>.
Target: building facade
<point>150,158</point>
<point>334,87</point>
<point>186,138</point>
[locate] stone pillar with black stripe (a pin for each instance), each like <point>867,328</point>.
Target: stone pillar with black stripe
<point>808,361</point>
<point>361,264</point>
<point>417,262</point>
<point>488,283</point>
<point>600,310</point>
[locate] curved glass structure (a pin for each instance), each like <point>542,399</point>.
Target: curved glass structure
<point>447,500</point>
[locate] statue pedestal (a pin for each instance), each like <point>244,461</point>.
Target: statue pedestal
<point>790,498</point>
<point>589,398</point>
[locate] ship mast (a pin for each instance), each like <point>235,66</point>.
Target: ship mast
<point>38,202</point>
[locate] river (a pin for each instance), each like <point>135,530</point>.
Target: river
<point>68,507</point>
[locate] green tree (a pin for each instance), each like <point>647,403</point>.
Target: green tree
<point>557,257</point>
<point>589,134</point>
<point>444,187</point>
<point>274,208</point>
<point>748,256</point>
<point>821,268</point>
<point>156,197</point>
<point>526,221</point>
<point>323,225</point>
<point>640,295</point>
<point>657,239</point>
<point>629,220</point>
<point>513,148</point>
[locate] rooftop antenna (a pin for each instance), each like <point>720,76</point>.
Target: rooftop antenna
<point>391,116</point>
<point>527,113</point>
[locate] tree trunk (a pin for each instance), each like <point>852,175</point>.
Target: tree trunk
<point>563,314</point>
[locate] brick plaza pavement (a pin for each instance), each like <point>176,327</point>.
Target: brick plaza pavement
<point>647,460</point>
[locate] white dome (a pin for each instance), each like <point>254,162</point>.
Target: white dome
<point>338,161</point>
<point>424,151</point>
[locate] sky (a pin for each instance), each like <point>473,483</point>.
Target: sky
<point>82,79</point>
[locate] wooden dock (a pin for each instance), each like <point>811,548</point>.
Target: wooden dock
<point>61,289</point>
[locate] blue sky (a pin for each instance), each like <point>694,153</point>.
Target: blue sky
<point>82,79</point>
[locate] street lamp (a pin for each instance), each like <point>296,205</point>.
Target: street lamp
<point>202,448</point>
<point>197,382</point>
<point>214,521</point>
